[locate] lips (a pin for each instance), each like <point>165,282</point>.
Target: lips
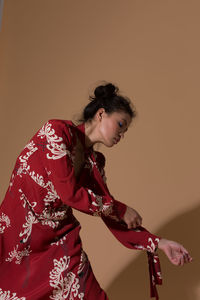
<point>116,140</point>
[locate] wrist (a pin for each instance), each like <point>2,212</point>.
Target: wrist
<point>161,243</point>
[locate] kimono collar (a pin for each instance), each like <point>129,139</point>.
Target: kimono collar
<point>81,136</point>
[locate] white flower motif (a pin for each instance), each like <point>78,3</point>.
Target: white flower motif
<point>30,145</point>
<point>60,241</point>
<point>6,295</point>
<point>159,275</point>
<point>151,247</point>
<point>37,178</point>
<point>26,201</point>
<point>24,158</point>
<point>51,193</point>
<point>11,180</point>
<point>57,150</point>
<point>139,247</point>
<point>83,261</point>
<point>18,255</point>
<point>28,226</point>
<point>4,219</point>
<point>23,164</point>
<point>99,206</point>
<point>64,287</point>
<point>52,216</point>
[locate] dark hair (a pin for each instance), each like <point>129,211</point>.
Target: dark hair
<point>107,97</point>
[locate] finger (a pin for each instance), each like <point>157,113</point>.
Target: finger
<point>183,250</point>
<point>190,258</point>
<point>134,225</point>
<point>137,224</point>
<point>187,257</point>
<point>129,225</point>
<point>182,260</point>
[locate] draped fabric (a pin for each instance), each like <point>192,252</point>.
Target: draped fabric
<point>41,254</point>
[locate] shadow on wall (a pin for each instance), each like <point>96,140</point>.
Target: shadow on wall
<point>178,282</point>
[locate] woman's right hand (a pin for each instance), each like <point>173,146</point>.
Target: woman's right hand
<point>132,218</point>
<point>175,252</point>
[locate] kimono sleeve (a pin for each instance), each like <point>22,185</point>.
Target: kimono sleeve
<point>120,207</point>
<point>139,238</point>
<point>57,159</point>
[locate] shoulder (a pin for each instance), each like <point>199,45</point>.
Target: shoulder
<point>55,128</point>
<point>60,123</point>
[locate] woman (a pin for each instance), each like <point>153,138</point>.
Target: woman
<point>41,251</point>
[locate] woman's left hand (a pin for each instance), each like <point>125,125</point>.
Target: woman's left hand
<point>175,252</point>
<point>132,218</point>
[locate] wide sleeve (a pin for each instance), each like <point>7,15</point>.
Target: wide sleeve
<point>143,239</point>
<point>57,159</point>
<point>120,207</point>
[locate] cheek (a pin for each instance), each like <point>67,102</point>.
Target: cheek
<point>112,132</point>
<point>108,129</point>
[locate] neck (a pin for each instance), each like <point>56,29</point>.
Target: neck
<point>90,134</point>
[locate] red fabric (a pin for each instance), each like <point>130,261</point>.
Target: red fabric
<point>41,255</point>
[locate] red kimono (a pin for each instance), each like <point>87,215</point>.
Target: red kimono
<point>41,255</point>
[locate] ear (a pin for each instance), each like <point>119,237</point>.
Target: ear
<point>100,113</point>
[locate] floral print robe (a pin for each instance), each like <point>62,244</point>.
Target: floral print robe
<point>41,255</point>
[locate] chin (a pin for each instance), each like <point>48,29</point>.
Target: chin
<point>109,145</point>
<point>112,144</point>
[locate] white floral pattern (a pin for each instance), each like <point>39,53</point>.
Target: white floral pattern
<point>57,150</point>
<point>49,216</point>
<point>152,246</point>
<point>23,162</point>
<point>26,201</point>
<point>6,295</point>
<point>30,220</point>
<point>99,206</point>
<point>24,158</point>
<point>51,195</point>
<point>53,217</point>
<point>60,241</point>
<point>67,286</point>
<point>139,247</point>
<point>18,255</point>
<point>4,222</point>
<point>83,261</point>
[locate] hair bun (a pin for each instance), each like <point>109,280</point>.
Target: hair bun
<point>105,91</point>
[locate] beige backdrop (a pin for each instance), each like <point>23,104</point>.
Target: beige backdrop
<point>52,55</point>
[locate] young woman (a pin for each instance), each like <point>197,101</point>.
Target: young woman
<point>41,255</point>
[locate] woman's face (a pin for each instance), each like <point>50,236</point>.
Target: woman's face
<point>112,127</point>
